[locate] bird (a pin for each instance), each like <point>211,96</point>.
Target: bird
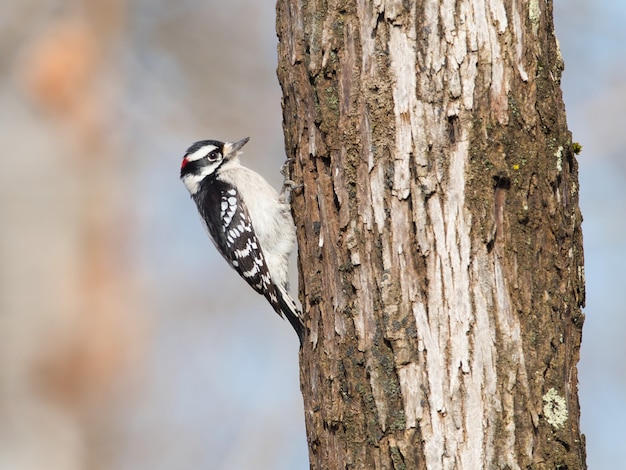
<point>249,223</point>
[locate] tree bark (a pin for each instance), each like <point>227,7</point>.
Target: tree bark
<point>440,248</point>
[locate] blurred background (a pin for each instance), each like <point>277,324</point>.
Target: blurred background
<point>125,342</point>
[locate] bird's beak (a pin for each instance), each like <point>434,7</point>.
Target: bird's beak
<point>231,148</point>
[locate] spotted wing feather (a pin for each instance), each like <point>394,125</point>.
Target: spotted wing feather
<point>243,250</point>
<point>235,239</point>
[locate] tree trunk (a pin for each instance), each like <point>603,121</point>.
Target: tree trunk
<point>441,262</point>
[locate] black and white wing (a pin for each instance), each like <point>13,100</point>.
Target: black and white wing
<point>234,237</point>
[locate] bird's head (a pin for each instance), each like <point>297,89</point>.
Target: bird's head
<point>204,158</point>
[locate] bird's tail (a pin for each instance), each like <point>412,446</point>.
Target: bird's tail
<point>291,312</point>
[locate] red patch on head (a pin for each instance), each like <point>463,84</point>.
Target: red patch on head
<point>184,163</point>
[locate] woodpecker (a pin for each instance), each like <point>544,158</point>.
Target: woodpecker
<point>249,223</point>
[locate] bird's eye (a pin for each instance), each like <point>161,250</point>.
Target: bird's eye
<point>214,155</point>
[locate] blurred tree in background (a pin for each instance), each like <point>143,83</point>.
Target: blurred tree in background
<point>69,304</point>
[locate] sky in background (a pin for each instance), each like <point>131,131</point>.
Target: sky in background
<point>593,44</point>
<point>209,372</point>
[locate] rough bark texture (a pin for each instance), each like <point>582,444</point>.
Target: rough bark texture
<point>441,263</point>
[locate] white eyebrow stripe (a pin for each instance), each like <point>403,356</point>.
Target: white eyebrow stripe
<point>201,153</point>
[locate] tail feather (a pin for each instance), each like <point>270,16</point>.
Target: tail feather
<point>287,307</point>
